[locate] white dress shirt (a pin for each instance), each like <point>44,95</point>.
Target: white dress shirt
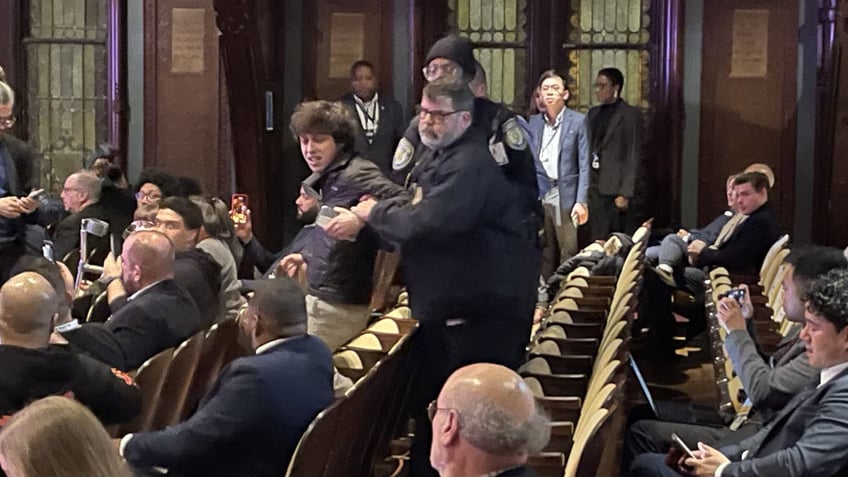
<point>369,115</point>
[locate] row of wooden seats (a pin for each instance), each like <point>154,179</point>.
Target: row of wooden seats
<point>352,435</point>
<point>576,366</point>
<point>173,381</point>
<point>767,300</point>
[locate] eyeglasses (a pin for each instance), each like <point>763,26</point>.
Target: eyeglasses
<point>7,122</point>
<point>152,196</point>
<point>431,72</point>
<point>437,117</point>
<point>433,408</point>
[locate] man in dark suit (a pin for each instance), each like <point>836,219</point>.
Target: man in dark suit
<point>159,314</point>
<point>807,437</point>
<point>560,140</point>
<point>500,424</point>
<point>769,382</point>
<point>251,420</point>
<point>380,119</point>
<point>81,197</point>
<point>19,175</point>
<point>741,247</point>
<point>616,195</point>
<point>32,369</point>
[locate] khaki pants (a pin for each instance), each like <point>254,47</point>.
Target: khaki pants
<point>560,241</point>
<point>335,323</point>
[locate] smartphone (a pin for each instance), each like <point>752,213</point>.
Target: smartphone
<point>238,208</point>
<point>325,214</point>
<point>39,195</point>
<point>681,446</point>
<point>736,293</point>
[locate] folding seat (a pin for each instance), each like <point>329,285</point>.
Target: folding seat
<point>220,339</point>
<point>149,377</point>
<point>547,464</point>
<point>99,310</point>
<point>588,445</point>
<point>175,388</point>
<point>399,312</point>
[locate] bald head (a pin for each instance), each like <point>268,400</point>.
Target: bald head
<point>762,169</point>
<point>497,411</point>
<point>148,256</point>
<point>27,307</point>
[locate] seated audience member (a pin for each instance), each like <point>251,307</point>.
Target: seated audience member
<point>485,422</point>
<point>807,437</point>
<point>32,369</point>
<point>338,272</point>
<point>251,420</point>
<point>194,269</point>
<point>768,383</point>
<point>58,276</point>
<point>740,248</point>
<point>267,262</point>
<point>57,437</point>
<point>81,197</point>
<point>673,249</point>
<point>159,314</point>
<point>153,185</point>
<point>216,237</point>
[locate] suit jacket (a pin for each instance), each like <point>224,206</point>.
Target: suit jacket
<point>66,235</point>
<point>747,246</point>
<point>807,437</point>
<point>389,131</point>
<point>30,374</point>
<point>573,165</point>
<point>620,151</point>
<point>710,232</point>
<point>769,388</point>
<point>522,471</point>
<point>252,418</point>
<point>161,317</point>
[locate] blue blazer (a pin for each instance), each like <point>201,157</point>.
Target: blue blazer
<point>574,162</point>
<point>252,418</point>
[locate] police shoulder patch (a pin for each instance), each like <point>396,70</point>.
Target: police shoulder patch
<point>513,137</point>
<point>403,154</point>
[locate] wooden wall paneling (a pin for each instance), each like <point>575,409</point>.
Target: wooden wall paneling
<point>746,120</point>
<point>829,223</point>
<point>430,22</point>
<point>181,108</point>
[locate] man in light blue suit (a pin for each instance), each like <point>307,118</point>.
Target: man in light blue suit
<point>560,143</point>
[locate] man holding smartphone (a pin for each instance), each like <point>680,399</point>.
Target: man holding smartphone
<point>18,177</point>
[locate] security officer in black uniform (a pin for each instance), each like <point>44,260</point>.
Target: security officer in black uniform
<point>453,56</point>
<point>465,254</point>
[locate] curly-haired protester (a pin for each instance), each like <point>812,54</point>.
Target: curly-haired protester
<point>338,272</point>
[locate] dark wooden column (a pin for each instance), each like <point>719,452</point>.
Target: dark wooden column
<point>239,43</point>
<point>116,100</point>
<point>12,56</point>
<point>666,148</point>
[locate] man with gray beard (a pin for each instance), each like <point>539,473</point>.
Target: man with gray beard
<point>462,246</point>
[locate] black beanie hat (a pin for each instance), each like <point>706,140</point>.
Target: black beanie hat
<point>455,48</point>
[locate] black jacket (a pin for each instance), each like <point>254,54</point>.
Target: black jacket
<point>30,374</point>
<point>746,248</point>
<point>464,252</point>
<point>389,131</point>
<point>66,234</point>
<point>159,318</point>
<point>340,271</point>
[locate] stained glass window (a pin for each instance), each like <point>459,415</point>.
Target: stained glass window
<point>609,33</point>
<point>497,29</point>
<point>66,54</point>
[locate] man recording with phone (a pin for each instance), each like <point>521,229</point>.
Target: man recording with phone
<point>18,176</point>
<point>769,382</point>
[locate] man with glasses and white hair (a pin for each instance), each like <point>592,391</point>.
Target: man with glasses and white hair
<point>18,177</point>
<point>485,422</point>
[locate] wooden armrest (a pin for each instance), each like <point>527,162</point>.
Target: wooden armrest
<point>576,346</point>
<point>567,364</point>
<point>557,385</point>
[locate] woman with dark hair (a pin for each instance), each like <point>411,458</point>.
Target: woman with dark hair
<point>217,238</point>
<point>153,185</point>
